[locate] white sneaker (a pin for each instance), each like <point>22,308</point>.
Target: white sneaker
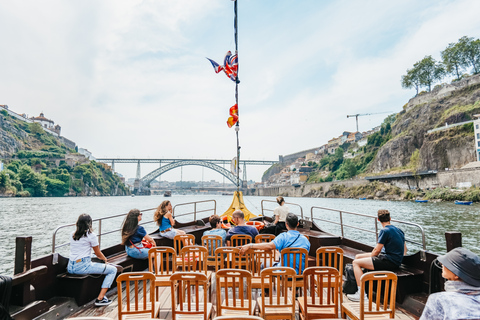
<point>356,296</point>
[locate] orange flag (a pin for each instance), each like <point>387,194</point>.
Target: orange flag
<point>234,116</point>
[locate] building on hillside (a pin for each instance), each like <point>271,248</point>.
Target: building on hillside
<point>354,137</point>
<point>294,178</point>
<point>47,123</point>
<point>86,153</point>
<point>309,157</point>
<point>476,126</point>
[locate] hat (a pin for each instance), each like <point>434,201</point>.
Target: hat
<point>464,264</point>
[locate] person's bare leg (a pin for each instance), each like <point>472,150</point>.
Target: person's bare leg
<point>358,264</point>
<point>102,293</point>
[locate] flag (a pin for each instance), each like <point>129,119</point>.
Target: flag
<point>234,116</point>
<point>230,66</point>
<point>216,66</point>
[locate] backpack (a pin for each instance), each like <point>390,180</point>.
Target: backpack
<point>350,284</point>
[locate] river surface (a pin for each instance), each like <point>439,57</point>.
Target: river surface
<point>39,218</point>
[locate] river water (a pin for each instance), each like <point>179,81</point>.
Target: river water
<point>39,218</point>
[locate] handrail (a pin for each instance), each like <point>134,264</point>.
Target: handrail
<point>100,234</point>
<point>374,218</point>
<point>195,208</point>
<point>289,203</point>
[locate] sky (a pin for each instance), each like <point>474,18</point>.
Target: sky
<point>129,79</point>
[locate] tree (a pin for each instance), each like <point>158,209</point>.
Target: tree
<point>471,52</point>
<point>454,59</point>
<point>430,71</point>
<point>32,182</point>
<point>411,79</point>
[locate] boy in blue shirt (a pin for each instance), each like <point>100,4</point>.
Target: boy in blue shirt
<point>387,254</point>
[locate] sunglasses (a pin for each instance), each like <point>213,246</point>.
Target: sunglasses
<point>437,263</point>
<point>140,214</point>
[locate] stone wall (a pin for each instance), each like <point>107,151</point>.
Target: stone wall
<point>291,191</point>
<point>294,156</point>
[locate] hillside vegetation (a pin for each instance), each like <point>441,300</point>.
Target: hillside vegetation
<point>35,165</point>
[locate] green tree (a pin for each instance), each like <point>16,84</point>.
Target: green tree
<point>32,182</point>
<point>430,71</point>
<point>411,79</point>
<point>55,187</point>
<point>14,166</point>
<point>453,59</point>
<point>35,128</point>
<point>470,49</point>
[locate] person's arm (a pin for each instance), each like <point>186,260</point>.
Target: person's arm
<point>405,250</point>
<point>265,246</point>
<point>99,253</point>
<point>150,240</point>
<point>277,217</point>
<point>376,251</point>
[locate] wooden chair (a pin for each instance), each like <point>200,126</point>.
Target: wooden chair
<point>227,257</point>
<point>292,257</point>
<point>194,259</point>
<point>179,241</point>
<point>232,284</point>
<point>142,306</point>
<point>237,318</point>
<point>259,260</point>
<point>238,240</point>
<point>320,298</point>
<point>211,242</point>
<point>162,262</point>
<point>259,238</point>
<point>383,307</point>
<point>189,296</point>
<point>332,257</point>
<point>280,304</point>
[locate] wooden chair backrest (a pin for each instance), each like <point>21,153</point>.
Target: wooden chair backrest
<point>259,260</point>
<point>136,301</point>
<point>162,261</point>
<point>227,257</point>
<point>280,279</point>
<point>228,281</point>
<point>293,256</point>
<point>238,317</point>
<point>194,259</point>
<point>321,287</point>
<point>238,240</point>
<point>211,242</point>
<point>259,238</point>
<point>385,283</point>
<point>189,294</point>
<point>181,240</point>
<point>330,257</point>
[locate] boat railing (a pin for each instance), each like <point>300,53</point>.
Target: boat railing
<point>363,226</point>
<point>100,233</point>
<point>195,208</point>
<point>299,207</point>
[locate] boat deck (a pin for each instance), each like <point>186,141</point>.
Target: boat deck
<point>165,302</point>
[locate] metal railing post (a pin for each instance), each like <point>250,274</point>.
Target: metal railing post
<point>376,230</point>
<point>100,233</point>
<point>341,223</point>
<point>195,211</point>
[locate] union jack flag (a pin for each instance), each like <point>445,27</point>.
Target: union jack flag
<point>230,66</point>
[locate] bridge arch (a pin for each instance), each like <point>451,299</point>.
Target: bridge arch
<point>172,165</point>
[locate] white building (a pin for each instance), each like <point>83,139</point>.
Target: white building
<point>86,153</point>
<point>476,126</point>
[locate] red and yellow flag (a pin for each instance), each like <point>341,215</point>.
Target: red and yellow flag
<point>234,116</point>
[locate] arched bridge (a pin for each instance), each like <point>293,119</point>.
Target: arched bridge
<point>169,164</point>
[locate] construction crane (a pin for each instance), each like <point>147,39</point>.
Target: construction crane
<point>364,114</point>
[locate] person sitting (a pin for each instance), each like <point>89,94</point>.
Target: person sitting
<point>280,213</point>
<point>461,299</point>
<point>133,234</point>
<point>387,254</point>
<point>82,241</point>
<point>216,224</point>
<point>238,219</point>
<point>290,239</point>
<point>164,219</point>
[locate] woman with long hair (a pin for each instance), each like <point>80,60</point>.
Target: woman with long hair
<point>164,219</point>
<point>82,241</point>
<point>133,234</point>
<point>280,213</point>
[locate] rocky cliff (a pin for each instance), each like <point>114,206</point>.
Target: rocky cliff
<point>450,148</point>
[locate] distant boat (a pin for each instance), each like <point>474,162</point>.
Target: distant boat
<point>466,203</point>
<point>167,194</point>
<point>362,198</point>
<point>421,201</point>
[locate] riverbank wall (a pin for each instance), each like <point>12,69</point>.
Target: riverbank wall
<point>460,178</point>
